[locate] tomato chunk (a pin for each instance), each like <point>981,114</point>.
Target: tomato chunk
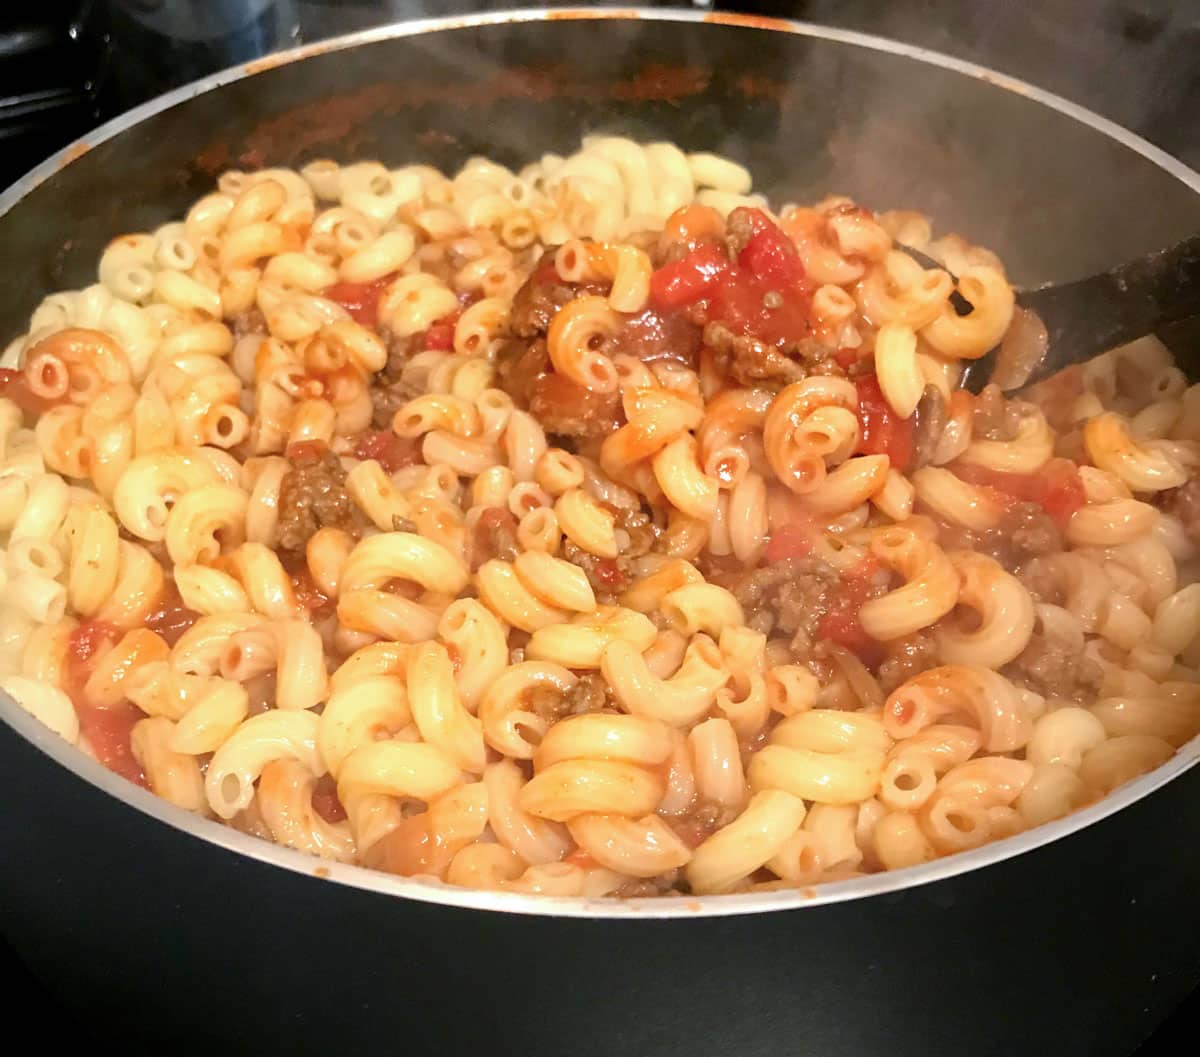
<point>361,300</point>
<point>769,255</point>
<point>791,541</point>
<point>686,281</point>
<point>389,450</point>
<point>881,430</point>
<point>1057,487</point>
<point>842,624</point>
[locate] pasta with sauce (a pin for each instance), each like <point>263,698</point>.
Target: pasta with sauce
<point>589,530</point>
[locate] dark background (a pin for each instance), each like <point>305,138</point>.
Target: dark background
<point>67,65</point>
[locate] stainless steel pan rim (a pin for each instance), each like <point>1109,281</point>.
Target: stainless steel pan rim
<point>211,832</point>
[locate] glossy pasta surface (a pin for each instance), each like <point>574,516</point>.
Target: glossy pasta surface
<point>597,529</point>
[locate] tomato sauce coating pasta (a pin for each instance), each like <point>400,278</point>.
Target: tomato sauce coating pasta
<point>593,529</point>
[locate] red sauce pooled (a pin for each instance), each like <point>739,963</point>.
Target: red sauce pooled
<point>440,335</point>
<point>1057,487</point>
<point>737,293</point>
<point>107,730</point>
<point>389,450</point>
<point>361,300</point>
<point>309,595</point>
<point>881,430</point>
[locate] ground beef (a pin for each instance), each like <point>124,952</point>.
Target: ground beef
<point>653,338</point>
<point>664,884</point>
<point>542,295</point>
<point>701,820</point>
<point>738,232</point>
<point>494,536</point>
<point>928,426</point>
<point>389,392</point>
<point>608,576</point>
<point>905,658</point>
<point>1024,532</point>
<point>313,496</point>
<point>252,321</point>
<point>754,363</point>
<point>1183,503</point>
<point>589,693</point>
<point>995,418</point>
<point>789,597</point>
<point>1053,668</point>
<point>524,371</point>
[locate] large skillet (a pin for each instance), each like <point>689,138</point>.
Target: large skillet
<point>173,935</point>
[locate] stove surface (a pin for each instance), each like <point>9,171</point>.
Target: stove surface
<point>71,64</point>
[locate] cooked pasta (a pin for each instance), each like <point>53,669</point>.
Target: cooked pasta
<point>587,530</point>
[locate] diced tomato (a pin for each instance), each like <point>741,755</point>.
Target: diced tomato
<point>108,731</point>
<point>325,800</point>
<point>791,541</point>
<point>881,430</point>
<point>846,358</point>
<point>769,255</point>
<point>1057,487</point>
<point>306,450</point>
<point>841,623</point>
<point>15,386</point>
<point>389,450</point>
<point>764,294</point>
<point>361,300</point>
<point>686,281</point>
<point>440,336</point>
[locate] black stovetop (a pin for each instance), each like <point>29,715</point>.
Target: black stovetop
<point>70,64</point>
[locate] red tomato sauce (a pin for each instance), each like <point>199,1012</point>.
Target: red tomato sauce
<point>107,730</point>
<point>1057,487</point>
<point>325,800</point>
<point>361,300</point>
<point>881,430</point>
<point>740,293</point>
<point>385,447</point>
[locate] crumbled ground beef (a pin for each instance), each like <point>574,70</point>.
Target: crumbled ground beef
<point>664,884</point>
<point>701,820</point>
<point>252,321</point>
<point>313,496</point>
<point>905,658</point>
<point>590,693</point>
<point>1053,668</point>
<point>389,392</point>
<point>789,597</point>
<point>525,372</point>
<point>494,536</point>
<point>755,363</point>
<point>928,426</point>
<point>995,418</point>
<point>1024,532</point>
<point>738,232</point>
<point>1183,503</point>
